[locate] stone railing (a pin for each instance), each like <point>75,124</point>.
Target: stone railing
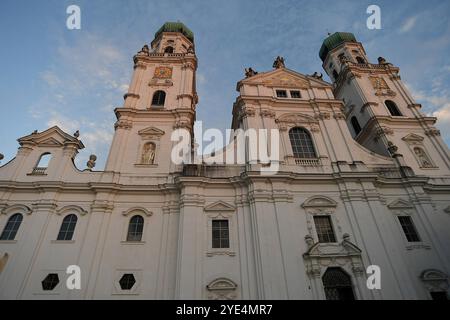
<point>307,162</point>
<point>154,54</point>
<point>37,171</point>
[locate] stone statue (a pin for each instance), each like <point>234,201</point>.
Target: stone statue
<point>381,60</point>
<point>145,50</point>
<point>91,163</point>
<point>392,148</point>
<point>318,76</point>
<point>343,59</point>
<point>249,72</point>
<point>423,158</point>
<point>279,63</point>
<point>148,153</point>
<point>309,240</point>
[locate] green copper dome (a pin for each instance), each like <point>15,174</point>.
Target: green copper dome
<point>176,27</point>
<point>333,41</point>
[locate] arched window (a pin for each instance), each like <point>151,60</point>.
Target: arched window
<point>355,125</point>
<point>12,226</point>
<point>159,98</point>
<point>44,160</point>
<point>393,109</point>
<point>360,60</point>
<point>135,228</point>
<point>67,227</point>
<point>337,285</point>
<point>168,50</point>
<point>302,144</point>
<point>335,75</point>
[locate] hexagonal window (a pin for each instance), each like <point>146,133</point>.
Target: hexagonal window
<point>50,282</point>
<point>127,281</point>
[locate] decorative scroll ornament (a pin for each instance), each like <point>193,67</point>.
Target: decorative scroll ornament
<point>381,87</point>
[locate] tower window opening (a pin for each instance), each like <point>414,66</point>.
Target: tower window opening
<point>393,109</point>
<point>159,98</point>
<point>168,50</point>
<point>360,60</point>
<point>355,125</point>
<point>335,75</point>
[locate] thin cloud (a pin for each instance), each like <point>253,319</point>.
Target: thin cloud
<point>408,25</point>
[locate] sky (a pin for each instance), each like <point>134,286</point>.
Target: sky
<point>50,75</point>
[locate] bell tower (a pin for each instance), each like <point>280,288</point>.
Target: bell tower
<point>161,97</point>
<point>380,112</point>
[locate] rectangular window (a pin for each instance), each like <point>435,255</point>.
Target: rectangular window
<point>281,94</point>
<point>296,94</point>
<point>220,234</point>
<point>409,229</point>
<point>324,229</point>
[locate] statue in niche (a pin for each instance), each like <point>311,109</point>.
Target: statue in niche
<point>148,153</point>
<point>423,158</point>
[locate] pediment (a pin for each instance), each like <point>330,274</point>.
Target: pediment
<point>50,142</point>
<point>433,275</point>
<point>297,118</point>
<point>343,249</point>
<point>284,78</point>
<point>221,284</point>
<point>412,137</point>
<point>319,202</point>
<point>52,137</point>
<point>151,131</point>
<point>400,204</point>
<point>220,206</point>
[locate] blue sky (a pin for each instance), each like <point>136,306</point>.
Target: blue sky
<point>53,76</point>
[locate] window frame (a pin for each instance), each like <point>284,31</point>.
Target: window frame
<point>312,146</point>
<point>220,229</point>
<point>414,228</point>
<point>129,224</point>
<point>394,107</point>
<point>277,91</point>
<point>295,91</point>
<point>153,105</point>
<point>67,230</point>
<point>56,285</point>
<point>10,231</point>
<point>330,221</point>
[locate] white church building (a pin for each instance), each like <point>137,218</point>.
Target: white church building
<point>363,180</point>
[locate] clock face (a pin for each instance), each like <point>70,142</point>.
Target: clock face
<point>163,73</point>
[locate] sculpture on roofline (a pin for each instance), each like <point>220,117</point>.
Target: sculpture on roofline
<point>279,63</point>
<point>249,72</point>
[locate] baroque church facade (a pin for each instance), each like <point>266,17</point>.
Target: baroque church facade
<point>363,180</point>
